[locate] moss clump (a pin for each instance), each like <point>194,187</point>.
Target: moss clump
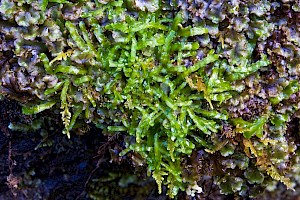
<point>172,78</point>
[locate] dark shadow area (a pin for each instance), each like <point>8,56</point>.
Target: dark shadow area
<point>45,164</point>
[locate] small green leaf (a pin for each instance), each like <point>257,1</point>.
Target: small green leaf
<point>250,129</point>
<point>38,108</point>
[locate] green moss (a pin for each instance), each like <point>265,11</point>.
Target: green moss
<point>254,176</point>
<point>174,80</point>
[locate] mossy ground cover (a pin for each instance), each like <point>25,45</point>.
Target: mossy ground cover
<point>178,80</point>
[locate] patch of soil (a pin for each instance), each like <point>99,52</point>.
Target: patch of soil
<point>35,166</point>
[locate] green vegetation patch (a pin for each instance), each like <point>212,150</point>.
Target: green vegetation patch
<point>173,80</point>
